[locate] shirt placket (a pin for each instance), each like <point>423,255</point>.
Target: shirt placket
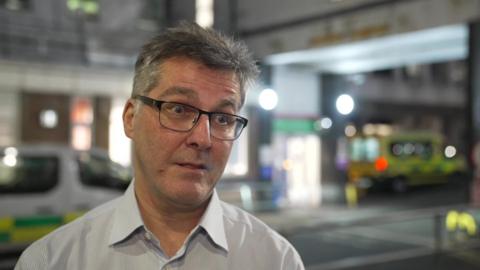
<point>154,246</point>
<point>172,263</point>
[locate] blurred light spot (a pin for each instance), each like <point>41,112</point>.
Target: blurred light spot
<point>121,153</point>
<point>461,220</point>
<point>397,149</point>
<point>11,151</point>
<point>268,99</point>
<point>345,104</point>
<point>409,148</point>
<point>204,13</point>
<point>369,129</point>
<point>384,130</point>
<point>73,4</point>
<point>10,160</point>
<point>48,119</point>
<point>90,7</point>
<point>287,165</point>
<point>326,123</point>
<point>350,131</point>
<point>381,164</point>
<point>246,196</point>
<point>239,169</point>
<point>450,151</point>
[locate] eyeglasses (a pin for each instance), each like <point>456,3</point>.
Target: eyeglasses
<point>181,117</point>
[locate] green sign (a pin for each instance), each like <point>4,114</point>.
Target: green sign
<point>294,125</point>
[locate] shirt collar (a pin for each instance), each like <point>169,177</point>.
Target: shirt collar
<point>212,222</point>
<point>127,219</point>
<point>127,216</point>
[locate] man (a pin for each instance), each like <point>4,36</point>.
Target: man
<point>182,118</point>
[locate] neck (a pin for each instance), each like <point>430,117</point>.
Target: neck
<point>169,223</point>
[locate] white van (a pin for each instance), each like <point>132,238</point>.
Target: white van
<point>45,186</point>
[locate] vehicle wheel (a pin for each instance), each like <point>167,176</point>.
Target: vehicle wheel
<point>399,185</point>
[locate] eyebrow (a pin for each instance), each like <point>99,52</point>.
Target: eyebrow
<point>176,90</point>
<point>227,103</point>
<point>191,94</point>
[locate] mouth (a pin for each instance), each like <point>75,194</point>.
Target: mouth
<point>193,166</point>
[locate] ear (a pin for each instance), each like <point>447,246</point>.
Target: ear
<point>128,117</point>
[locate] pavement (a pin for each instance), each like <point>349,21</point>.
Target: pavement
<point>376,237</point>
<point>436,200</point>
<point>288,219</point>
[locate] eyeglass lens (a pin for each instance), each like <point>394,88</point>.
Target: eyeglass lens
<point>181,117</point>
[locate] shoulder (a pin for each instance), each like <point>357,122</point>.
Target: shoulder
<point>241,223</point>
<point>239,218</point>
<point>66,239</point>
<point>97,219</point>
<point>251,239</point>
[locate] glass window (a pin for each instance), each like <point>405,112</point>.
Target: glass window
<point>100,171</point>
<point>237,165</point>
<point>364,149</point>
<point>24,174</point>
<point>372,149</point>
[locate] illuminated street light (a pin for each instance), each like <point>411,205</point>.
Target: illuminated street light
<point>48,118</point>
<point>350,130</point>
<point>345,104</point>
<point>268,99</point>
<point>450,151</point>
<point>10,158</point>
<point>326,123</point>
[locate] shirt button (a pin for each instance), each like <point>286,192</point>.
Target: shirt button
<point>148,236</point>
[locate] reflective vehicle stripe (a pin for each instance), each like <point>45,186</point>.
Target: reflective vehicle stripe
<point>29,229</point>
<point>37,221</point>
<point>6,224</point>
<point>29,234</point>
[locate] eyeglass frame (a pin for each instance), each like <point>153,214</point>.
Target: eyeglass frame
<point>158,105</point>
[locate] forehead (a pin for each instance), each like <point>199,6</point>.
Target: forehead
<point>190,78</point>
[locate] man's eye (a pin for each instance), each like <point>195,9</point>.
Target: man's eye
<point>177,109</point>
<point>223,119</point>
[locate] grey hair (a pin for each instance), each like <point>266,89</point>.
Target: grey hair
<point>207,46</point>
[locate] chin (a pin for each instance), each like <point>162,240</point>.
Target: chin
<point>193,197</point>
<point>191,203</point>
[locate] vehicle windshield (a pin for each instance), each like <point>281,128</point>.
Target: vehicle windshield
<point>409,149</point>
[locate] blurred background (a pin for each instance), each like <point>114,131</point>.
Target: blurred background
<point>362,143</point>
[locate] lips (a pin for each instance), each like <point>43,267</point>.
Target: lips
<point>193,166</point>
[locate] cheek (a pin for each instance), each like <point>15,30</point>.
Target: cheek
<point>155,145</point>
<point>223,153</point>
<point>161,147</point>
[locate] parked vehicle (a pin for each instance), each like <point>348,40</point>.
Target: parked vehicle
<point>402,160</point>
<point>45,186</point>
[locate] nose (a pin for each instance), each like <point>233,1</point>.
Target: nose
<point>199,136</point>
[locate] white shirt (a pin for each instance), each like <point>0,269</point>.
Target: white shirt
<point>113,236</point>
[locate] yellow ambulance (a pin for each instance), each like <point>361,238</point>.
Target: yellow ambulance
<point>402,160</point>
